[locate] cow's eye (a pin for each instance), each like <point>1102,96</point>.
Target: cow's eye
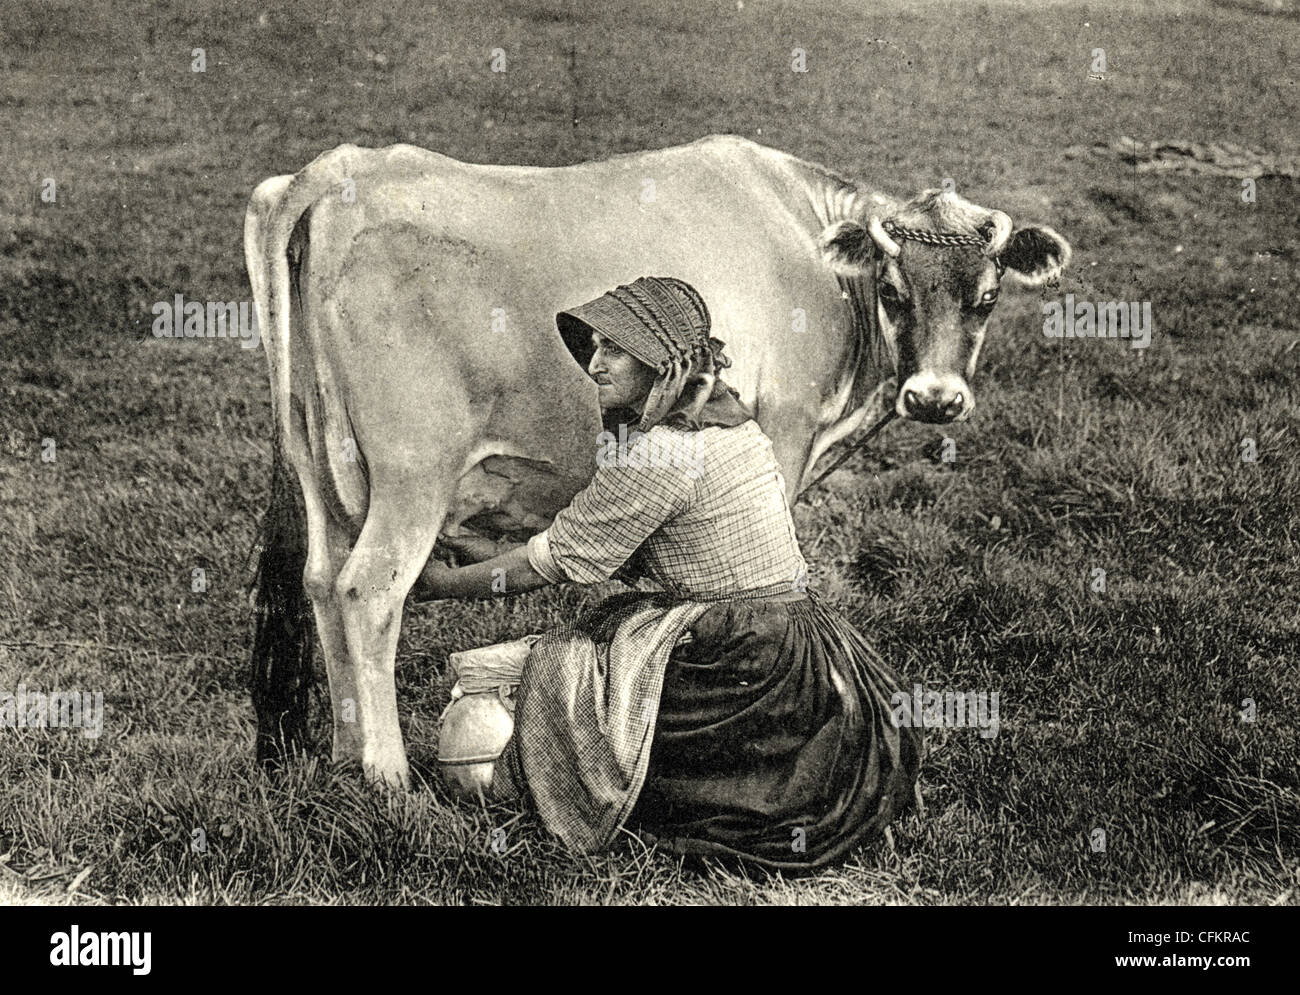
<point>889,293</point>
<point>988,300</point>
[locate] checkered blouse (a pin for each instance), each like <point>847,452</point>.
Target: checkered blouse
<point>704,512</point>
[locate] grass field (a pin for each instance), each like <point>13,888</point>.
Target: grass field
<point>1120,711</point>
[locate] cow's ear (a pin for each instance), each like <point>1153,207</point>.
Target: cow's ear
<point>1035,256</point>
<point>847,248</point>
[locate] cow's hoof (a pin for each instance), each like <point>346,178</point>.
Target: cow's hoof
<point>396,775</point>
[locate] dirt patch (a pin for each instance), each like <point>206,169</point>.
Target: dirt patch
<point>1180,156</point>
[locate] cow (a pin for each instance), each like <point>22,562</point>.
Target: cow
<point>421,390</point>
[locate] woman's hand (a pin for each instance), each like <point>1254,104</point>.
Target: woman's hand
<point>472,549</point>
<point>505,574</point>
<point>437,577</point>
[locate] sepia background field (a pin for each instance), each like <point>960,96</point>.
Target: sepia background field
<point>1120,711</point>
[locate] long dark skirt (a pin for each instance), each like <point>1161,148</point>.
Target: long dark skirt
<point>774,741</point>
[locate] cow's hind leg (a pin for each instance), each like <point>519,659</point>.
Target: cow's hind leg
<point>323,552</point>
<point>401,527</point>
<point>327,551</point>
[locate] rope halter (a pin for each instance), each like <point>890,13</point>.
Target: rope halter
<point>945,240</point>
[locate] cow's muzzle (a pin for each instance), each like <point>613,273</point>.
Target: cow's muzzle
<point>935,400</point>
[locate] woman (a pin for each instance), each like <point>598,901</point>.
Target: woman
<point>730,713</point>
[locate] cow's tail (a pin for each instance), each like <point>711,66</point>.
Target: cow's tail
<point>283,626</point>
<point>276,208</point>
<point>284,629</point>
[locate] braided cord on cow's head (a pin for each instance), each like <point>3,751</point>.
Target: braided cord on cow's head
<point>945,240</point>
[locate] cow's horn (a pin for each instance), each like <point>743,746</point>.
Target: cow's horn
<point>1001,232</point>
<point>881,238</point>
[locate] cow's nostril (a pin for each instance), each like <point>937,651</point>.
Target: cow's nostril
<point>952,408</point>
<point>911,401</point>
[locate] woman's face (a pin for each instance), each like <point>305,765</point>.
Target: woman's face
<point>623,380</point>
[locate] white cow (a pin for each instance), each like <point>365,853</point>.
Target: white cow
<point>421,389</point>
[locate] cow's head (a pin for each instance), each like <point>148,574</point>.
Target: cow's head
<point>935,264</point>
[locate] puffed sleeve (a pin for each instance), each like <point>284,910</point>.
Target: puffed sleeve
<point>626,501</point>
